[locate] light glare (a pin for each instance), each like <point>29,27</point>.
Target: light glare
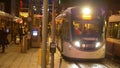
<point>97,44</point>
<point>77,44</point>
<point>86,10</point>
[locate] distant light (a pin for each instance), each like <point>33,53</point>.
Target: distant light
<point>21,21</point>
<point>116,25</point>
<point>34,8</point>
<point>59,2</point>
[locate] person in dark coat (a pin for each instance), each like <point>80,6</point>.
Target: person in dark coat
<point>3,39</point>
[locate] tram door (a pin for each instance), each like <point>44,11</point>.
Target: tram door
<point>36,38</point>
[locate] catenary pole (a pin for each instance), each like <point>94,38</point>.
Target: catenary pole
<point>44,33</point>
<point>53,20</point>
<point>30,19</point>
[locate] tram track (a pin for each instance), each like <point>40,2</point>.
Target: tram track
<point>111,63</point>
<point>78,65</point>
<point>106,63</point>
<point>91,65</point>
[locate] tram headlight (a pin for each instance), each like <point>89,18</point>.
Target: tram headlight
<point>86,10</point>
<point>98,44</point>
<point>86,13</point>
<point>77,44</point>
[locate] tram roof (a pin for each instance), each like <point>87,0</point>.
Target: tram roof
<point>68,10</point>
<point>114,18</point>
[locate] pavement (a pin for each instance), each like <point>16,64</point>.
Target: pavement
<point>14,58</point>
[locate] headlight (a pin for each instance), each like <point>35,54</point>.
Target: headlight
<point>86,13</point>
<point>86,10</point>
<point>77,44</point>
<point>98,44</point>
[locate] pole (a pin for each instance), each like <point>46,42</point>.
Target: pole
<point>53,21</point>
<point>44,33</point>
<point>52,60</point>
<point>53,31</point>
<point>30,24</point>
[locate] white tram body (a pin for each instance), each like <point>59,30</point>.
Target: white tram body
<point>89,42</point>
<point>72,52</point>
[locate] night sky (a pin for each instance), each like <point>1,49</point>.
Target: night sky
<point>7,5</point>
<point>112,4</point>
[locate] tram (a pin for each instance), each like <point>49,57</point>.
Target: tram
<point>81,33</point>
<point>113,36</point>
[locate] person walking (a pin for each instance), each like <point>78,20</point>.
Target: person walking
<point>3,39</point>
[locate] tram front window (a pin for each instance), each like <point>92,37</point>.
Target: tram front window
<point>86,30</point>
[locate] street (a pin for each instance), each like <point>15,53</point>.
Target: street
<point>13,58</point>
<point>104,64</point>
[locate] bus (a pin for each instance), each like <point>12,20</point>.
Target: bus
<point>113,35</point>
<point>81,32</point>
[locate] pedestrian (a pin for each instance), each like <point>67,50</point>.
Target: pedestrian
<point>20,33</point>
<point>3,39</point>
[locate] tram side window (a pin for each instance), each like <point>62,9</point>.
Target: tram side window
<point>114,30</point>
<point>118,35</point>
<point>65,31</point>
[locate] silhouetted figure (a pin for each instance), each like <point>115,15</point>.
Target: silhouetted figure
<point>3,39</point>
<point>78,31</point>
<point>20,33</point>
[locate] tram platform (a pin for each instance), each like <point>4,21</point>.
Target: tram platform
<point>13,58</point>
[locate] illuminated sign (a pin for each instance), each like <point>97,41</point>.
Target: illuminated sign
<point>24,14</point>
<point>35,33</point>
<point>86,17</point>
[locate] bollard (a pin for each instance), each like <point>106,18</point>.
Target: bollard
<point>52,51</point>
<point>28,37</point>
<point>24,45</point>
